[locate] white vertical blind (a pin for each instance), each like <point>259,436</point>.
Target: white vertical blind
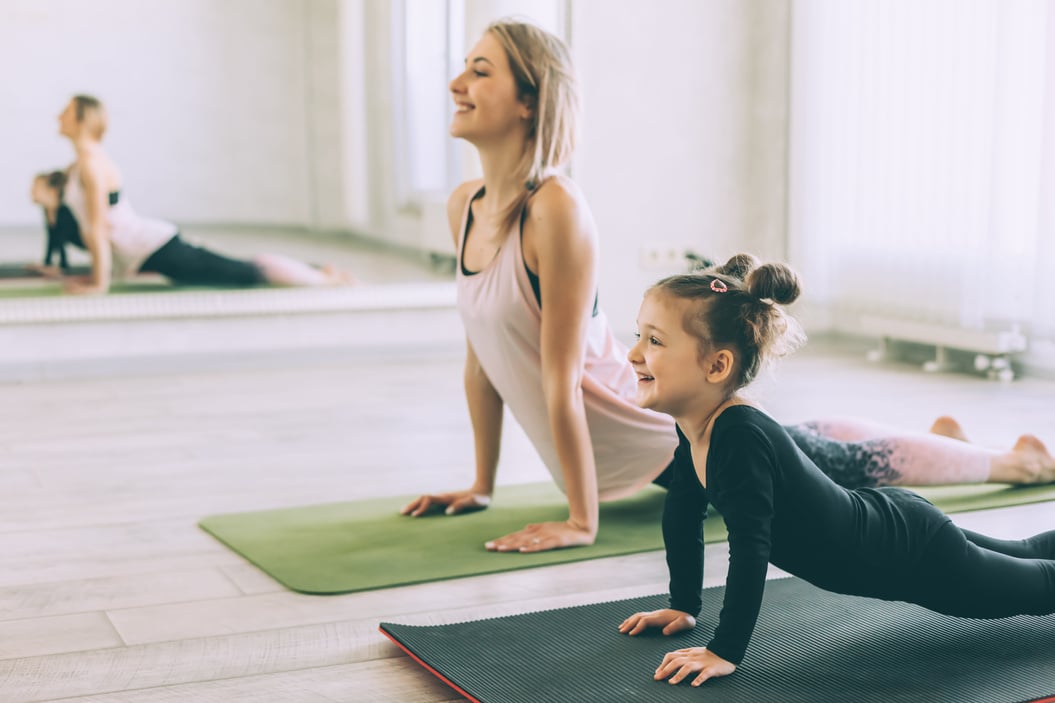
<point>921,173</point>
<point>427,100</point>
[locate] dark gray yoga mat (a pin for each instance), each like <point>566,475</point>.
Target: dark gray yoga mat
<point>809,646</point>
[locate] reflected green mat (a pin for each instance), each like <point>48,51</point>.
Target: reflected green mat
<point>53,289</point>
<point>362,545</point>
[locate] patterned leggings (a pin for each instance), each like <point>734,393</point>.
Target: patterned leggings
<point>858,455</point>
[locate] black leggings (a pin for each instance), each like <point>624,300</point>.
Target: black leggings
<point>971,575</point>
<point>191,265</point>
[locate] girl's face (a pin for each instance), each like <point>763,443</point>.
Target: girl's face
<point>671,376</point>
<point>68,124</point>
<point>43,195</point>
<point>485,96</point>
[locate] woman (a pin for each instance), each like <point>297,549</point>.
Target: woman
<point>122,243</point>
<point>539,344</point>
<point>702,340</point>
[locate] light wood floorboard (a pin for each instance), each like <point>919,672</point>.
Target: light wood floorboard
<point>110,593</point>
<point>39,636</point>
<point>368,682</point>
<point>87,595</point>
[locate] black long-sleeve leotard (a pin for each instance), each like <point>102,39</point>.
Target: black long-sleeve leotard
<point>884,543</point>
<point>63,231</point>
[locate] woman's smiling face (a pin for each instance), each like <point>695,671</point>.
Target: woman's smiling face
<point>485,95</point>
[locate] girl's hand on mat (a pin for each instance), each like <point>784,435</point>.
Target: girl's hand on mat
<point>543,537</point>
<point>454,503</point>
<point>45,271</point>
<point>683,662</point>
<point>670,620</point>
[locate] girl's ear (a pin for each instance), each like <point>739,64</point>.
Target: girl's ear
<point>721,367</point>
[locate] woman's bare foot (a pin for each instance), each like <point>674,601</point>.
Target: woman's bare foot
<point>948,427</point>
<point>1035,459</point>
<point>1029,461</point>
<point>337,277</point>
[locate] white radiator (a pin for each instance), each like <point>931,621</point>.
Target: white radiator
<point>999,341</point>
<point>993,348</point>
<point>921,159</point>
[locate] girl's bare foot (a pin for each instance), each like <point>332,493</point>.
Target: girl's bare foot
<point>948,427</point>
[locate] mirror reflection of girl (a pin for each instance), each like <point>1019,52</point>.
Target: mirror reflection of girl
<point>59,222</point>
<point>702,340</point>
<point>539,344</point>
<point>121,242</point>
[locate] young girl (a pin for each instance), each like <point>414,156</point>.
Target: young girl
<point>121,242</point>
<point>702,339</point>
<point>539,344</point>
<point>46,191</point>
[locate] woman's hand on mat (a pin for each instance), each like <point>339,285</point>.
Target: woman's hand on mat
<point>670,620</point>
<point>453,503</point>
<point>543,537</point>
<point>82,285</point>
<point>680,664</point>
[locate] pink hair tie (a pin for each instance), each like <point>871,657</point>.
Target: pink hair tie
<point>719,286</point>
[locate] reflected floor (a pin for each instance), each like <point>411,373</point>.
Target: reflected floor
<point>369,261</point>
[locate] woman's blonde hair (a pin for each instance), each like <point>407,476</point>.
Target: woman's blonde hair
<point>92,113</point>
<point>546,81</point>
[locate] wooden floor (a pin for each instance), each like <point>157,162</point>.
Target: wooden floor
<point>109,592</point>
<point>369,260</point>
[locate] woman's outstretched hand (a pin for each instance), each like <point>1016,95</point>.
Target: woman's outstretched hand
<point>679,664</point>
<point>543,537</point>
<point>453,503</point>
<point>670,620</point>
<point>82,285</point>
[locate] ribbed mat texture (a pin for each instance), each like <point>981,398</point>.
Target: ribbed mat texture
<point>809,646</point>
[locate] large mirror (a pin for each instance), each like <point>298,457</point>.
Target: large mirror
<point>813,131</point>
<point>316,129</point>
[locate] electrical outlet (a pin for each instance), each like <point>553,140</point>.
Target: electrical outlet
<point>665,257</point>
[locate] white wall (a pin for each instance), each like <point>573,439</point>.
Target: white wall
<point>684,140</point>
<point>279,112</point>
<point>371,201</point>
<point>217,108</point>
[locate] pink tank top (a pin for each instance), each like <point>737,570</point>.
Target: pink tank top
<point>133,238</point>
<point>502,318</point>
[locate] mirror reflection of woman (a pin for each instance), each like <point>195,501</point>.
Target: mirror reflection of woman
<point>122,243</point>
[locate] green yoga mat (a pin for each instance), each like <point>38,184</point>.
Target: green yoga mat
<point>53,289</point>
<point>362,545</point>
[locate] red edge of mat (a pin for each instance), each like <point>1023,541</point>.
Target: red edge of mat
<point>1049,699</point>
<point>437,674</point>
